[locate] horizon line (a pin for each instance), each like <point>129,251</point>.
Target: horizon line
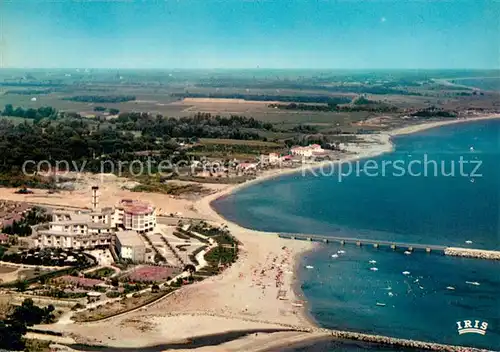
<point>248,68</point>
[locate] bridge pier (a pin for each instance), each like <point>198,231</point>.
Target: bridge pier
<point>325,240</point>
<point>309,239</point>
<point>375,245</point>
<point>358,243</point>
<point>342,242</point>
<point>410,249</point>
<point>428,249</point>
<point>393,246</point>
<point>293,237</point>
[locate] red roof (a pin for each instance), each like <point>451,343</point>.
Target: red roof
<point>4,237</point>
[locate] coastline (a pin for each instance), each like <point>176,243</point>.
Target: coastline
<point>205,204</point>
<point>244,296</point>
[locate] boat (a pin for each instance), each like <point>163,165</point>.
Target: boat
<point>390,294</point>
<point>406,273</point>
<point>374,269</point>
<point>372,262</point>
<point>335,255</point>
<point>472,180</point>
<point>450,288</point>
<point>475,283</point>
<point>468,242</point>
<point>309,267</point>
<point>407,252</point>
<point>380,304</point>
<point>341,252</point>
<point>471,149</point>
<point>297,304</point>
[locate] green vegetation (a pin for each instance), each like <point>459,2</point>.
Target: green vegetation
<point>35,114</point>
<point>434,112</point>
<point>14,325</point>
<point>101,99</point>
<point>99,273</point>
<point>22,227</point>
<point>308,107</point>
<point>168,188</point>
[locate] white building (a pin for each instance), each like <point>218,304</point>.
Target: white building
<point>308,151</point>
<point>135,215</point>
<point>75,230</point>
<point>130,245</point>
<point>274,158</point>
<point>97,227</point>
<point>301,151</point>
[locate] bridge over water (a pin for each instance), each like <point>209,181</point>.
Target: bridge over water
<point>363,241</point>
<point>446,250</point>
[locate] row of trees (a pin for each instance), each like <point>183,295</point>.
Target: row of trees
<point>323,99</point>
<point>112,111</point>
<point>35,114</point>
<point>201,125</point>
<point>101,98</point>
<point>434,112</point>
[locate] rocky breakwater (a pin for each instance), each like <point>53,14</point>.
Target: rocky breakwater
<point>405,343</point>
<point>472,253</point>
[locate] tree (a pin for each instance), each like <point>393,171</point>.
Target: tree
<point>155,288</point>
<point>190,268</point>
<point>21,285</point>
<point>159,258</point>
<point>114,282</point>
<point>8,111</point>
<point>113,111</point>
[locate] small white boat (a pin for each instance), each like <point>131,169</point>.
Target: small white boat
<point>390,294</point>
<point>335,255</point>
<point>421,287</point>
<point>475,283</point>
<point>372,262</point>
<point>471,149</point>
<point>407,252</point>
<point>374,269</point>
<point>451,288</point>
<point>468,242</point>
<point>472,180</point>
<point>380,304</point>
<point>406,273</point>
<point>388,288</point>
<point>341,252</point>
<point>297,304</point>
<point>309,267</point>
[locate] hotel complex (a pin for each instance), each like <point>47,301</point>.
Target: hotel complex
<point>101,227</point>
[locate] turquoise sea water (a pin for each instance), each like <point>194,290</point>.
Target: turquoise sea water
<point>430,208</point>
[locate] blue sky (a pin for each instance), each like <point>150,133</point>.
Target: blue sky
<point>251,33</point>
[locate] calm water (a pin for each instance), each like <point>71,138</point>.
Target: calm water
<point>432,209</point>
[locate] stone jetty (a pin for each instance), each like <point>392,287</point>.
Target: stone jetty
<point>396,342</point>
<point>472,253</point>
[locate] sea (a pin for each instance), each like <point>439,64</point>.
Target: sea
<point>439,186</point>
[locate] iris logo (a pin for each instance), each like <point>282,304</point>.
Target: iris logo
<point>472,327</point>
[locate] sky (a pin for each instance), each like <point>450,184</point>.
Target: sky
<point>314,34</point>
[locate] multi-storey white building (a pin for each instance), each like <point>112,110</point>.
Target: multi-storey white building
<point>135,215</point>
<point>88,229</point>
<point>75,230</point>
<point>130,245</point>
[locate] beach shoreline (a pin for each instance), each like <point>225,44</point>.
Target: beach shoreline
<point>387,146</point>
<point>243,296</point>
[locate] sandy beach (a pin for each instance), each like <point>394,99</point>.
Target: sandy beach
<point>245,296</point>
